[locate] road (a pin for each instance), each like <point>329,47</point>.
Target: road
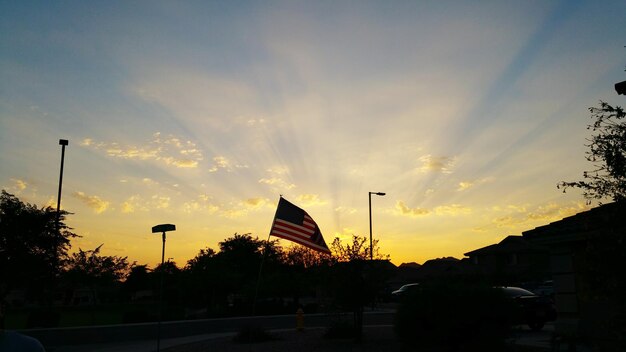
<point>59,338</point>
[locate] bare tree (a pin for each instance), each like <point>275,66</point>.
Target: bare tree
<point>607,152</point>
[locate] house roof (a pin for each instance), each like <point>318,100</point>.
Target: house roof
<point>510,244</point>
<point>584,225</point>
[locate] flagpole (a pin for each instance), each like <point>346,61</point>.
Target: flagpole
<point>258,280</point>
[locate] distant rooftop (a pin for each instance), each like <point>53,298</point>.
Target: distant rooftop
<point>581,225</point>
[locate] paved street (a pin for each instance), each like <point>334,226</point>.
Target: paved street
<point>217,334</point>
<point>73,339</point>
<point>376,338</point>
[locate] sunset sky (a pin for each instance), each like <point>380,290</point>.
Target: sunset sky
<point>201,113</point>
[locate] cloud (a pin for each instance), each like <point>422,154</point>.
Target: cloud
<point>443,210</point>
<point>18,185</point>
<point>149,182</point>
<point>465,185</point>
<point>277,183</point>
<point>345,210</point>
<point>454,209</point>
<point>94,202</point>
<point>161,202</point>
<point>308,200</point>
<point>201,204</point>
<point>221,162</point>
<point>250,121</point>
<point>137,203</point>
<point>552,211</point>
<point>129,206</point>
<point>167,149</point>
<point>244,207</point>
<point>403,209</point>
<point>254,122</point>
<point>521,216</point>
<point>256,203</point>
<point>279,170</point>
<point>277,179</point>
<point>345,235</point>
<point>438,164</point>
<point>133,204</point>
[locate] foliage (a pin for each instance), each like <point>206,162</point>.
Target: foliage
<point>229,277</point>
<point>33,245</point>
<point>455,317</point>
<point>607,151</point>
<point>201,279</point>
<point>202,262</point>
<point>138,278</point>
<point>89,267</point>
<point>358,282</point>
<point>304,257</point>
<point>358,249</point>
<point>169,268</point>
<point>172,277</point>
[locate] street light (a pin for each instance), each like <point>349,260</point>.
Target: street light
<point>370,198</point>
<point>62,143</point>
<point>163,228</point>
<point>620,88</point>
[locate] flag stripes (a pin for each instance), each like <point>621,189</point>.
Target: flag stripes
<point>294,224</point>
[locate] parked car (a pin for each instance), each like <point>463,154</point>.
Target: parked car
<point>404,290</point>
<point>545,289</point>
<point>534,310</point>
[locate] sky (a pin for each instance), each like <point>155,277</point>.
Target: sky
<point>202,113</point>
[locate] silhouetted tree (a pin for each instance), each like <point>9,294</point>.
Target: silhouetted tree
<point>100,274</point>
<point>173,290</point>
<point>201,280</point>
<point>301,256</point>
<point>356,280</point>
<point>239,258</point>
<point>32,248</point>
<point>202,262</point>
<point>167,267</point>
<point>139,278</point>
<point>357,250</point>
<point>92,267</point>
<point>607,151</point>
<point>216,280</point>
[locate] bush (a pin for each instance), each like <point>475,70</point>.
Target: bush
<point>455,317</point>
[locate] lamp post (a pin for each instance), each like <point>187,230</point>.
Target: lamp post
<point>620,88</point>
<point>163,228</point>
<point>370,199</point>
<point>62,143</point>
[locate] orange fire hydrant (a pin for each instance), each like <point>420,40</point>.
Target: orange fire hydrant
<point>300,319</point>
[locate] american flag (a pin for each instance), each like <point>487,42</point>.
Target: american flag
<point>294,224</point>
